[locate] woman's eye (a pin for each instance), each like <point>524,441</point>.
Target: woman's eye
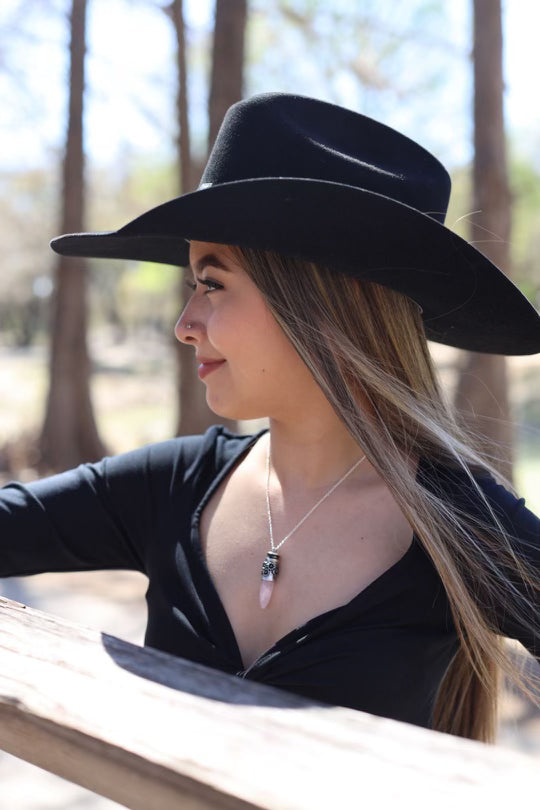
<point>210,284</point>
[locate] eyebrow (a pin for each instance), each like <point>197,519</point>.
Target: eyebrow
<point>210,259</point>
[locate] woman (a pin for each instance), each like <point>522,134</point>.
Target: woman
<point>359,551</point>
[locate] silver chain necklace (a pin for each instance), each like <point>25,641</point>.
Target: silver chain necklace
<point>270,566</point>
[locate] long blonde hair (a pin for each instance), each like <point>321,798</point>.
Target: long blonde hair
<point>365,346</point>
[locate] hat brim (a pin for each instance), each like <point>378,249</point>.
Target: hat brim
<point>466,300</point>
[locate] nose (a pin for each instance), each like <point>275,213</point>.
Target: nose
<point>187,330</point>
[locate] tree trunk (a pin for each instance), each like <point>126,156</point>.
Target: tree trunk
<point>69,434</point>
<point>482,393</point>
<point>186,181</point>
<point>194,415</point>
<point>226,88</point>
<point>227,81</point>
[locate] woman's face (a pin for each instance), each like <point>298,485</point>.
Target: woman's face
<point>249,367</point>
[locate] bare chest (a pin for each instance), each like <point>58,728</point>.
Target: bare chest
<point>334,555</point>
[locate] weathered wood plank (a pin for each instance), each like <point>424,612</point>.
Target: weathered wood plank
<point>155,732</point>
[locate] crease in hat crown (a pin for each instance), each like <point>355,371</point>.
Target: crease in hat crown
<point>276,135</point>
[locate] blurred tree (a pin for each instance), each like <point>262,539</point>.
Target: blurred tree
<point>225,89</point>
<point>482,391</point>
<point>227,79</point>
<point>186,180</point>
<point>525,189</point>
<point>194,415</point>
<point>69,434</point>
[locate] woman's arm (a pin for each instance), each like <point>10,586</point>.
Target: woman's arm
<point>96,516</point>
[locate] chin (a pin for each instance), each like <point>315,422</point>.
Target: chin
<point>238,411</point>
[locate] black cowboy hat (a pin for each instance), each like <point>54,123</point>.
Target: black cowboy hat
<point>310,179</point>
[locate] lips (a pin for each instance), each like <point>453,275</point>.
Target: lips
<point>207,365</point>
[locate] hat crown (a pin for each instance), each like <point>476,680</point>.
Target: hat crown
<point>280,135</point>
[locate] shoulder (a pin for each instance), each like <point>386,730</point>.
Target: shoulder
<point>184,457</point>
<point>481,496</point>
<point>155,470</point>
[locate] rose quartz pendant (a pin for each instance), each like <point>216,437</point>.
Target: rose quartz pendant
<point>265,593</point>
<point>269,573</point>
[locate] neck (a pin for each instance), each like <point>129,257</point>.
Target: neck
<point>312,453</point>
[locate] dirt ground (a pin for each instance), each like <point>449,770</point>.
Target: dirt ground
<point>134,395</point>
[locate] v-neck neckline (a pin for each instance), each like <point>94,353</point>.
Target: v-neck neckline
<point>195,538</point>
<point>304,628</point>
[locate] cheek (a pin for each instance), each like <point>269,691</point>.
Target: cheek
<point>244,331</point>
<point>275,359</point>
<point>221,325</point>
<point>242,327</point>
<point>266,342</point>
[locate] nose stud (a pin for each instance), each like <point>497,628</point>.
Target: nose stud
<point>189,326</point>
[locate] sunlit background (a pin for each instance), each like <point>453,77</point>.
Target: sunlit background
<point>408,64</point>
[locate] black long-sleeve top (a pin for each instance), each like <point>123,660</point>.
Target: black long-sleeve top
<point>384,652</point>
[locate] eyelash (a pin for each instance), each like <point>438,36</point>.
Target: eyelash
<point>208,282</point>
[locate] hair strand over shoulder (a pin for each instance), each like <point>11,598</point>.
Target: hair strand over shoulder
<point>366,348</point>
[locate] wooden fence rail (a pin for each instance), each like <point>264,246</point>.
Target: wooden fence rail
<point>155,732</point>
